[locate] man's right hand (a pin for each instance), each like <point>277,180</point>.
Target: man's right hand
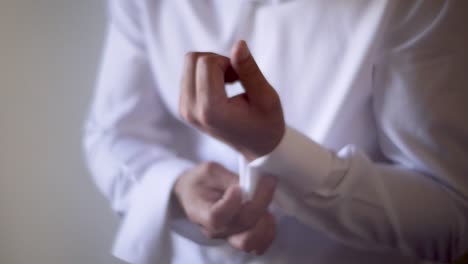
<point>210,196</point>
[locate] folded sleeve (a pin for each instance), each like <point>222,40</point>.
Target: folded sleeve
<point>417,201</point>
<point>127,139</point>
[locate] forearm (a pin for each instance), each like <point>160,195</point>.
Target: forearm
<point>364,204</point>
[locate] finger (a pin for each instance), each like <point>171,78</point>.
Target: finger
<point>219,178</point>
<point>210,83</point>
<point>224,178</point>
<point>262,236</point>
<point>249,73</point>
<point>188,77</point>
<point>257,239</point>
<point>228,206</point>
<point>256,208</point>
<point>217,222</point>
<point>269,234</point>
<point>221,213</point>
<point>188,84</point>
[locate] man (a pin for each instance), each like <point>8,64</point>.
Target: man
<point>335,133</point>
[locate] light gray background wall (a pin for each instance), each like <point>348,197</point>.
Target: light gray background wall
<point>50,211</point>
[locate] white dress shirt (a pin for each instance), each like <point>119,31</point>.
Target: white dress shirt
<point>374,164</point>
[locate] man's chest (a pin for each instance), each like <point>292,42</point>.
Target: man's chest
<point>308,50</point>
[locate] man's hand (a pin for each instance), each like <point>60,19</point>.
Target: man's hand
<point>258,239</point>
<point>252,122</point>
<point>210,197</point>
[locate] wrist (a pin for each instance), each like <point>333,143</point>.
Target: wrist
<point>277,137</point>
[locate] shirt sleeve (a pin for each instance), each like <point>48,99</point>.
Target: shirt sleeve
<point>127,140</point>
<point>417,201</point>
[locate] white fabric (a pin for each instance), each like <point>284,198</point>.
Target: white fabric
<point>373,165</point>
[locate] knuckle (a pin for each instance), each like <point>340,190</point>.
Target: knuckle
<point>211,60</point>
<point>187,115</point>
<point>204,61</point>
<point>210,167</point>
<point>208,60</point>
<point>191,57</point>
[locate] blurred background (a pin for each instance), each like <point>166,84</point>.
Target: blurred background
<point>50,211</point>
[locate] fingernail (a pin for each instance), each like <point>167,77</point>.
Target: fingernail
<point>244,51</point>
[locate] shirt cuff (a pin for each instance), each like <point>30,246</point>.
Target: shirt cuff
<point>144,232</point>
<point>298,162</point>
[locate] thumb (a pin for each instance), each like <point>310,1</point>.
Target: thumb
<point>222,212</point>
<point>249,74</point>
